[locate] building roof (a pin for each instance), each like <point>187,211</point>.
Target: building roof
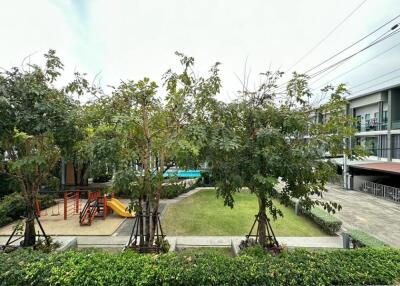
<point>388,167</point>
<point>373,91</point>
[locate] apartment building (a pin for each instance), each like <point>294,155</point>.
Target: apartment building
<point>377,115</point>
<point>378,122</point>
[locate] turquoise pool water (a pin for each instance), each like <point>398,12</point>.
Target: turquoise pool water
<point>183,173</point>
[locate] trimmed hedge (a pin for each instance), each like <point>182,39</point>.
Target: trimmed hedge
<point>326,221</point>
<point>341,267</point>
<point>362,239</point>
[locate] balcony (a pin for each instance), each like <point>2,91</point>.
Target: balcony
<point>372,125</point>
<point>395,124</point>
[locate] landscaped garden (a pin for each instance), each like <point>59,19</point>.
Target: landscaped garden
<point>204,214</point>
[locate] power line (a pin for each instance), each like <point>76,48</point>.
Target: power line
<point>326,37</point>
<point>354,54</point>
<point>354,68</point>
<point>375,78</point>
<point>352,45</point>
<point>348,47</point>
<point>398,76</point>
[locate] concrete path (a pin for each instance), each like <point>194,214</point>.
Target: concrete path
<point>203,241</point>
<point>374,215</point>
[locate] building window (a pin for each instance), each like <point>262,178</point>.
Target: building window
<point>384,120</point>
<point>367,119</point>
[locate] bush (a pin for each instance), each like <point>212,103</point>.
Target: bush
<point>13,206</point>
<point>6,186</point>
<point>362,239</point>
<point>207,180</point>
<point>102,178</point>
<point>365,266</point>
<point>172,191</point>
<point>326,221</point>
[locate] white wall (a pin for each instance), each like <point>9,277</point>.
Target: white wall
<point>358,180</point>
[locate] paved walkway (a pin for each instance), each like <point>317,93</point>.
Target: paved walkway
<point>126,227</point>
<point>374,215</point>
<point>106,241</point>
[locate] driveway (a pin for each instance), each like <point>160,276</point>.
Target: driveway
<point>374,215</point>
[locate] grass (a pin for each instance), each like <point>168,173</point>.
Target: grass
<point>204,214</point>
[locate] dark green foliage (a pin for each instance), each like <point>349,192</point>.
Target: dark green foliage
<point>362,239</point>
<point>299,267</point>
<point>172,191</point>
<point>12,207</point>
<point>207,179</point>
<point>326,221</point>
<point>102,178</point>
<point>5,185</point>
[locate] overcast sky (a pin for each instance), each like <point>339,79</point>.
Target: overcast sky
<point>132,39</point>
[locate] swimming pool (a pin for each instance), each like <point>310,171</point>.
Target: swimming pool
<point>183,173</point>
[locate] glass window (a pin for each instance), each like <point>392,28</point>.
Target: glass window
<point>384,116</point>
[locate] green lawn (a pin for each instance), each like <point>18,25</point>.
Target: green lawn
<point>204,214</point>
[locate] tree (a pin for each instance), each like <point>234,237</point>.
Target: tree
<point>155,134</point>
<point>34,126</point>
<point>261,143</point>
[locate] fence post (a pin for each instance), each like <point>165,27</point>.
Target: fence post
<point>77,202</point>
<point>65,205</point>
<point>105,209</point>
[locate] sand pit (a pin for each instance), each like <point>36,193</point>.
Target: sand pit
<point>56,225</point>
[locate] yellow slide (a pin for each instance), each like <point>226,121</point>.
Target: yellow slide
<point>119,208</point>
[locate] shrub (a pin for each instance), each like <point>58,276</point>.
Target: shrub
<point>326,221</point>
<point>6,186</point>
<point>362,239</point>
<point>13,206</point>
<point>172,191</point>
<point>102,178</point>
<point>364,266</point>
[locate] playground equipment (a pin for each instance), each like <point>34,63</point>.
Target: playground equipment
<point>55,209</point>
<point>72,203</point>
<point>119,208</point>
<point>98,205</point>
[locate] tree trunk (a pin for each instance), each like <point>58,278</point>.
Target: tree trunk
<point>29,233</point>
<point>157,196</point>
<point>147,171</point>
<point>262,221</point>
<point>140,218</point>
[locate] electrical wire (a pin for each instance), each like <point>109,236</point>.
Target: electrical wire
<point>354,68</point>
<point>379,83</point>
<point>351,56</point>
<point>375,78</point>
<point>326,37</point>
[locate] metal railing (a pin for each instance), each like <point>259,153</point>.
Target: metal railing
<point>371,125</point>
<point>379,190</point>
<point>374,125</point>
